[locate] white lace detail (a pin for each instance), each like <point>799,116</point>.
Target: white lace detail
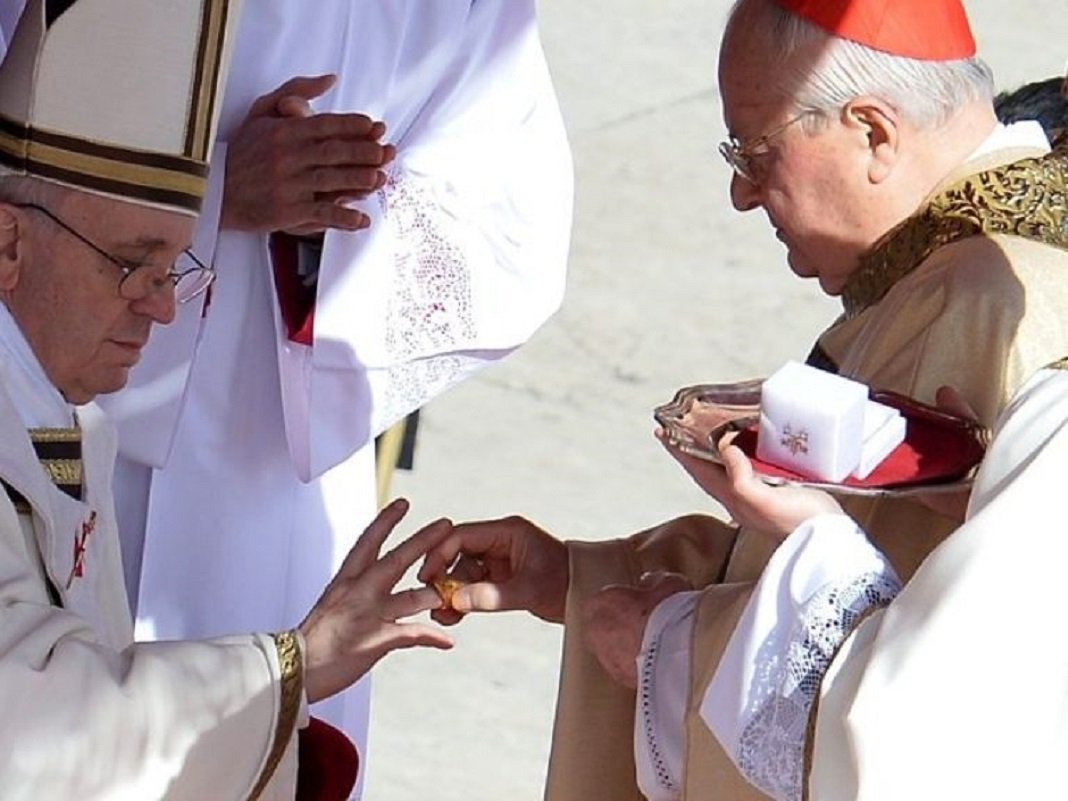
<point>430,309</point>
<point>410,385</point>
<point>771,751</point>
<point>647,692</point>
<point>430,314</point>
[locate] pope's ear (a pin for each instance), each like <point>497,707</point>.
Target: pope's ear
<point>879,125</point>
<point>10,248</point>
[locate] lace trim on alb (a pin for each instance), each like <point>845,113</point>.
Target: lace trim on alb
<point>410,385</point>
<point>430,308</point>
<point>646,691</point>
<point>771,751</point>
<point>430,313</point>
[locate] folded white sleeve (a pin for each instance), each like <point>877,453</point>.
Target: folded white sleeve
<point>663,692</point>
<point>821,580</point>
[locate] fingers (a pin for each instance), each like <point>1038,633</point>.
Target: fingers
<point>482,596</point>
<point>294,106</point>
<point>410,602</point>
<point>446,617</point>
<point>473,539</point>
<point>302,86</point>
<point>739,468</point>
<point>341,181</point>
<point>468,570</point>
<point>365,551</point>
<point>345,148</point>
<point>391,567</point>
<point>354,127</point>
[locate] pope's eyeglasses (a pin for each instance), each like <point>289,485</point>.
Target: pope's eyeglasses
<point>189,275</point>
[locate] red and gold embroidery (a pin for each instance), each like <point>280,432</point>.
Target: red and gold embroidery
<point>81,539</point>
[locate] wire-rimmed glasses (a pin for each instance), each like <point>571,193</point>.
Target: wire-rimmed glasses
<point>740,157</point>
<point>189,275</point>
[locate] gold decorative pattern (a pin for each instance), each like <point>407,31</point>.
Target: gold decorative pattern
<point>1028,198</point>
<point>60,453</point>
<point>291,665</point>
<point>202,100</point>
<point>63,471</point>
<point>56,434</point>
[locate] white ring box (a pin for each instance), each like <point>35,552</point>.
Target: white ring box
<point>884,430</point>
<point>822,425</point>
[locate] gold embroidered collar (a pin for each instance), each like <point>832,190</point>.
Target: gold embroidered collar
<point>1027,198</point>
<point>60,452</point>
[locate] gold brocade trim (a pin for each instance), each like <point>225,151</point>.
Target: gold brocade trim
<point>60,452</point>
<point>172,180</point>
<point>206,78</point>
<point>291,665</point>
<point>1028,198</point>
<point>111,169</point>
<point>64,471</point>
<point>56,434</point>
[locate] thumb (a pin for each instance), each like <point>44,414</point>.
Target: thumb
<point>292,91</point>
<point>482,596</point>
<point>293,106</point>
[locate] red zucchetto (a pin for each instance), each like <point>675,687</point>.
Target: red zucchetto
<point>930,30</point>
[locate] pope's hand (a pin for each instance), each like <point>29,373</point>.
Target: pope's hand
<point>771,511</point>
<point>615,620</point>
<point>354,623</point>
<point>505,564</point>
<point>290,169</point>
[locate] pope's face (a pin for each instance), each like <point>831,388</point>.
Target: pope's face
<point>809,178</point>
<point>66,295</point>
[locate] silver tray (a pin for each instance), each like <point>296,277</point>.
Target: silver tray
<point>698,417</point>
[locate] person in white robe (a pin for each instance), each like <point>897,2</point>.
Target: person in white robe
<point>839,684</point>
<point>464,258</point>
<point>102,171</point>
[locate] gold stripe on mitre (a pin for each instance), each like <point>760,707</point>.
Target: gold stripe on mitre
<point>205,87</point>
<point>173,180</point>
<point>116,97</point>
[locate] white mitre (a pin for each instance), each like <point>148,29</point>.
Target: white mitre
<point>117,97</point>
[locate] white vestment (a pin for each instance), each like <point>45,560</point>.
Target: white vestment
<point>250,457</point>
<point>90,714</point>
<point>957,688</point>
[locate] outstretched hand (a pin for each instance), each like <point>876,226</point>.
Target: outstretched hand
<point>291,169</point>
<point>354,623</point>
<point>505,564</point>
<point>771,511</point>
